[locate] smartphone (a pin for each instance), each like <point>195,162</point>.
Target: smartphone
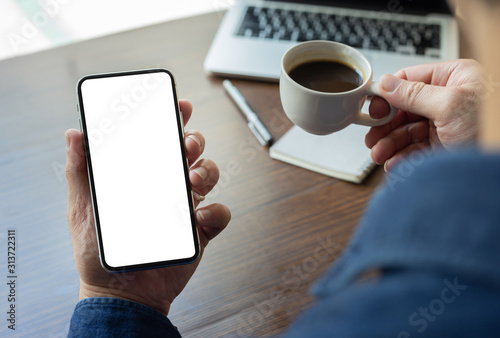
<point>138,171</point>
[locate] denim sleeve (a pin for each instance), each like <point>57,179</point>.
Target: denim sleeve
<point>113,317</point>
<point>433,233</point>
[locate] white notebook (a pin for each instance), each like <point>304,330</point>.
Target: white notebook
<point>342,155</point>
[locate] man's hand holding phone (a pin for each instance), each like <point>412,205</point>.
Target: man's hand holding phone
<point>156,288</point>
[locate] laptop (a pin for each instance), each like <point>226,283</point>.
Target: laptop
<point>392,34</point>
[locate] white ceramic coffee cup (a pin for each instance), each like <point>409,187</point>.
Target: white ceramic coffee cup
<point>320,112</point>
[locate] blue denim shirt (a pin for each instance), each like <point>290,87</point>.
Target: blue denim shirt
<point>113,317</point>
<point>432,234</point>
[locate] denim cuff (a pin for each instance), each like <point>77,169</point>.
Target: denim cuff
<point>113,317</point>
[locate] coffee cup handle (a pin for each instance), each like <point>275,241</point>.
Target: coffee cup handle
<point>365,119</point>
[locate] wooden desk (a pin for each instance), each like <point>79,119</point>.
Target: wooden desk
<point>288,224</point>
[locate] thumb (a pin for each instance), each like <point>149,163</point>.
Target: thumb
<point>413,97</point>
<point>76,167</point>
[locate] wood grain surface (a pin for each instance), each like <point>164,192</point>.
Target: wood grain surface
<point>289,224</point>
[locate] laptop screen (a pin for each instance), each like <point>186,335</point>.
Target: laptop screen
<point>389,6</point>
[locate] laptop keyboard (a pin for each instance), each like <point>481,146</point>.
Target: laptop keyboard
<point>356,31</point>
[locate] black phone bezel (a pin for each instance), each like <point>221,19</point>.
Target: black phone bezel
<point>81,109</point>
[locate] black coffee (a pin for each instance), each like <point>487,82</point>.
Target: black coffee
<point>326,76</point>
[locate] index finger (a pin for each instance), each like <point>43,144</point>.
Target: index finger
<point>186,108</point>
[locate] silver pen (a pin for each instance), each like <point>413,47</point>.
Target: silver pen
<point>255,125</point>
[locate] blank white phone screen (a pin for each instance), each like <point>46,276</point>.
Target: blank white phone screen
<point>137,164</point>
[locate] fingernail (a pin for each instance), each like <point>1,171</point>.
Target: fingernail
<point>202,172</point>
<point>198,197</point>
<point>68,140</point>
<point>203,215</point>
<point>385,166</point>
<point>196,139</point>
<point>390,83</point>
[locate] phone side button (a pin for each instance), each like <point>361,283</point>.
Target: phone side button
<point>80,121</point>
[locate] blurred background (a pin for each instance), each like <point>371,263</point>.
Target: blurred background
<point>49,23</point>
